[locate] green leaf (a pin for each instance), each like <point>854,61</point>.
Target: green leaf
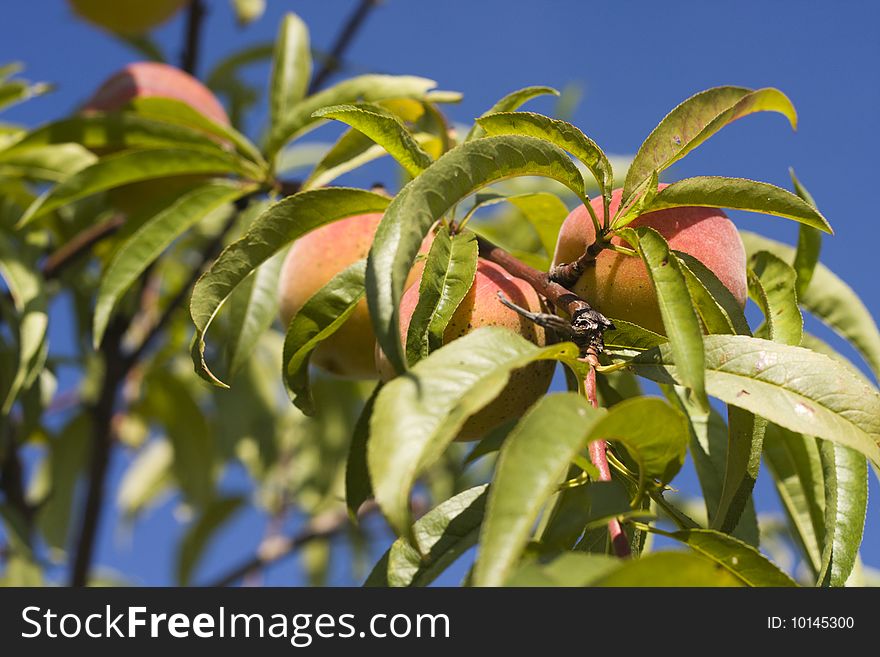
<point>457,174</point>
<point>19,91</point>
<point>509,103</point>
<point>679,318</point>
<point>740,559</point>
<point>382,127</point>
<point>170,403</point>
<point>291,69</point>
<point>846,503</point>
<point>115,131</point>
<point>737,194</point>
<point>170,110</point>
<point>418,415</point>
<point>744,446</point>
<point>365,88</point>
<point>133,166</point>
<point>796,466</point>
<point>693,122</point>
<point>809,243</point>
<point>534,456</point>
<point>772,285</point>
<point>27,288</point>
<point>708,446</point>
<point>626,335</point>
<point>718,308</point>
<point>568,569</point>
<point>53,162</point>
<point>668,569</point>
<point>248,11</point>
<point>442,536</point>
<point>352,150</point>
<point>318,319</point>
<point>253,306</point>
<point>358,488</point>
<point>831,300</point>
<point>279,225</point>
<point>148,475</point>
<point>654,433</point>
<point>151,239</point>
<point>560,133</point>
<point>197,537</point>
<point>794,387</point>
<point>448,276</point>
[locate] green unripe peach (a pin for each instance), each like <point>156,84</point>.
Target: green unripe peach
<point>127,17</point>
<point>619,286</point>
<point>481,307</point>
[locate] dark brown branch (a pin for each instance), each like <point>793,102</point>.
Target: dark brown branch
<point>276,547</point>
<point>586,325</point>
<point>569,273</point>
<point>333,61</point>
<point>189,57</point>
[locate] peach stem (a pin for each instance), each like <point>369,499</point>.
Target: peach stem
<point>619,541</point>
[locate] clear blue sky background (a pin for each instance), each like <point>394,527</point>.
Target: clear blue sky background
<point>635,60</point>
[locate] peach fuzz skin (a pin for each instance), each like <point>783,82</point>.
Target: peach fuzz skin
<point>619,286</point>
<point>479,308</point>
<point>312,261</point>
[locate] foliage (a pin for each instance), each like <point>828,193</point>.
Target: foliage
<point>537,512</point>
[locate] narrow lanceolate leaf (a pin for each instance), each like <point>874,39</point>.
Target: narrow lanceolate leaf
<point>291,68</point>
<point>282,223</point>
<point>831,300</point>
<point>418,415</point>
<point>534,456</point>
<point>679,317</point>
<point>669,569</point>
<point>366,88</point>
<point>442,535</point>
<point>115,131</point>
<point>568,569</point>
<point>809,243</point>
<point>772,284</point>
<point>26,286</point>
<point>193,544</point>
<point>152,238</point>
<point>796,466</point>
<point>741,560</point>
<point>318,319</point>
<point>561,133</point>
<point>448,276</point>
<point>385,129</point>
<point>719,310</point>
<point>171,110</point>
<point>133,166</point>
<point>694,121</point>
<point>352,150</point>
<point>846,502</point>
<point>358,488</point>
<point>252,309</point>
<point>737,194</point>
<point>53,162</point>
<point>794,387</point>
<point>626,335</point>
<point>509,103</point>
<point>456,175</point>
<point>653,432</point>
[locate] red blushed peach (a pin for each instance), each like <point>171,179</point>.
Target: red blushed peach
<point>619,286</point>
<point>481,307</point>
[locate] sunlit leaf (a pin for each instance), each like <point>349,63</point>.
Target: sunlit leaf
<point>291,68</point>
<point>509,103</point>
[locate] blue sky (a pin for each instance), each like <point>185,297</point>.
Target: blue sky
<point>634,59</point>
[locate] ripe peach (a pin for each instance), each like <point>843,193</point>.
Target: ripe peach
<point>619,285</point>
<point>311,262</point>
<point>127,17</point>
<point>481,307</point>
<point>148,79</point>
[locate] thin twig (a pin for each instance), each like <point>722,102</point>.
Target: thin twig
<point>189,56</point>
<point>68,253</point>
<point>333,60</point>
<point>277,547</point>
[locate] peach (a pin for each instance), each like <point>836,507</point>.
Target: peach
<point>619,286</point>
<point>127,17</point>
<point>311,262</point>
<point>481,307</point>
